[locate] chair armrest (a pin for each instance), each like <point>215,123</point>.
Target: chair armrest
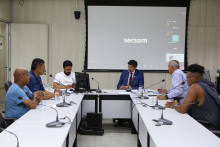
<point>9,120</point>
<point>215,132</point>
<point>204,122</point>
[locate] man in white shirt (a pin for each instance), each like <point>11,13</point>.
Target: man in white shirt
<point>65,77</point>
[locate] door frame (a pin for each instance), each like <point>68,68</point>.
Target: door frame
<point>8,49</point>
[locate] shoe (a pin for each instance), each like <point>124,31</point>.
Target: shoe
<point>119,123</point>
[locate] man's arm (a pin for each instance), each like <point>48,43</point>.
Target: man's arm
<point>176,80</point>
<point>48,95</point>
<point>30,104</point>
<point>191,97</point>
<point>120,82</point>
<point>58,86</point>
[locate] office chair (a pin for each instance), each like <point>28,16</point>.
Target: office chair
<point>7,85</point>
<point>214,129</point>
<point>7,121</point>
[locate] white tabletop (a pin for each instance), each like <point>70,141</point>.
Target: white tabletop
<point>31,128</point>
<point>185,131</point>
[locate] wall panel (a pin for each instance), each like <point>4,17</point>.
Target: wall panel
<point>67,36</point>
<point>32,11</point>
<point>197,12</point>
<point>28,41</point>
<point>212,50</point>
<point>5,9</point>
<point>213,13</point>
<point>196,45</point>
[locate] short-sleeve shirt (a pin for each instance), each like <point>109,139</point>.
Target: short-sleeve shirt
<point>35,83</point>
<point>64,79</point>
<point>14,107</point>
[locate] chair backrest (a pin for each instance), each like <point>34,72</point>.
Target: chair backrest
<point>7,85</point>
<point>2,122</point>
<point>218,122</point>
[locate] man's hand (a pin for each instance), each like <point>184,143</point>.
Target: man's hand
<point>122,87</point>
<point>161,91</point>
<point>58,90</point>
<point>68,86</point>
<point>161,97</point>
<point>173,103</point>
<point>35,98</point>
<point>73,86</point>
<point>130,87</point>
<point>39,94</point>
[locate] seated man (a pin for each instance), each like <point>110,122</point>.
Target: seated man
<point>177,90</point>
<point>66,77</point>
<point>203,91</point>
<point>35,84</point>
<point>15,107</point>
<point>132,75</point>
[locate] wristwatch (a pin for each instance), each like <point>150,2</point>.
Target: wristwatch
<point>166,96</point>
<point>44,94</point>
<point>175,106</point>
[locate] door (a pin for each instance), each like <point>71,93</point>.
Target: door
<point>3,53</point>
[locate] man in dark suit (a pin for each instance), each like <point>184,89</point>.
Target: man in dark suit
<point>132,77</point>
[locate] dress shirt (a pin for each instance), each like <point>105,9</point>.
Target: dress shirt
<point>130,76</point>
<point>35,82</point>
<point>178,77</point>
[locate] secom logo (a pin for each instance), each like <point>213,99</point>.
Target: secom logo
<point>135,40</point>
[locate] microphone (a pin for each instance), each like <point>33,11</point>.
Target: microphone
<point>11,133</point>
<point>54,124</point>
<point>63,104</point>
<point>162,121</point>
<point>156,106</point>
<point>154,84</point>
<point>38,82</point>
<point>98,90</point>
<point>146,97</point>
<point>128,89</point>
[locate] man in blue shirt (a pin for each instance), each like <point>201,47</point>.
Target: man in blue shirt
<point>35,84</point>
<point>131,77</point>
<point>17,98</point>
<point>178,76</point>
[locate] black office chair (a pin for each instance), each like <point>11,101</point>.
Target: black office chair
<point>7,85</point>
<point>214,129</point>
<point>7,121</point>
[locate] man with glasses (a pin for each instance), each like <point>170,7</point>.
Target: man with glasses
<point>177,89</point>
<point>201,90</point>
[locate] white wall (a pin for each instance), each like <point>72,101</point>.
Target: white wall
<point>67,36</point>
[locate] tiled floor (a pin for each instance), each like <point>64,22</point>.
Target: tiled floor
<point>113,137</point>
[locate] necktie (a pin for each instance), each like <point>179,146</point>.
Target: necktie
<point>130,81</point>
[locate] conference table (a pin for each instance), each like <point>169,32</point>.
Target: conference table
<point>32,131</point>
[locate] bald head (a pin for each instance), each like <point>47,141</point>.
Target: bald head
<point>18,73</point>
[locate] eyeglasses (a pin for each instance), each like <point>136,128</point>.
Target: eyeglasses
<point>190,77</point>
